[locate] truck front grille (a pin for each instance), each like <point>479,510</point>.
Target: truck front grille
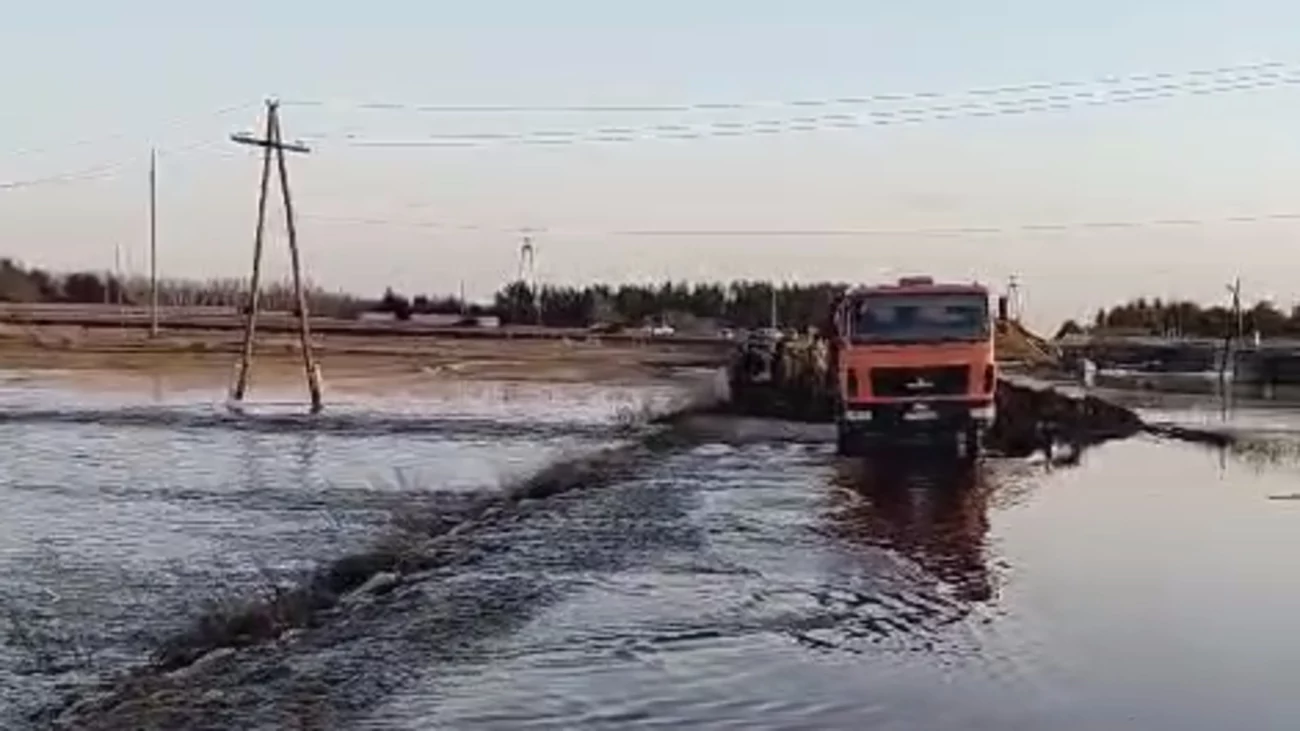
<point>920,382</point>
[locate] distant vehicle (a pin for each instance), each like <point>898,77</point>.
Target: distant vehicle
<point>661,330</point>
<point>914,359</point>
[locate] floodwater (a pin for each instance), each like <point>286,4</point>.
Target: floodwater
<point>126,516</point>
<point>1145,588</point>
<point>742,579</point>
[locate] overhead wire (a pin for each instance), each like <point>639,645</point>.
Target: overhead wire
<point>99,171</point>
<point>170,124</point>
<point>90,173</point>
<point>104,169</point>
<point>1196,82</point>
<point>859,100</point>
<point>842,121</point>
<point>967,230</point>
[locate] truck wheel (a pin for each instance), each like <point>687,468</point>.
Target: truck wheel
<point>971,444</point>
<point>844,442</point>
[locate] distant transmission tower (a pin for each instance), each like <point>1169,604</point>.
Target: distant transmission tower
<point>1013,292</point>
<point>527,260</point>
<point>528,274</point>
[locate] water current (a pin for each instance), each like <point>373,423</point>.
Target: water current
<point>745,579</point>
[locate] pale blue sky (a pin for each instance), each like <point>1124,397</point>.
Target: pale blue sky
<point>155,72</point>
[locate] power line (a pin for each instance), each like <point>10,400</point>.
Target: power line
<point>1268,76</point>
<point>842,121</point>
<point>793,103</point>
<point>879,118</point>
<point>95,171</point>
<point>174,122</point>
<point>972,230</point>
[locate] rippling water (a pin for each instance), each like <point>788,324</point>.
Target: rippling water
<point>1145,588</point>
<point>123,517</point>
<point>753,582</point>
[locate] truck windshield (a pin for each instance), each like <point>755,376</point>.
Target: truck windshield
<point>919,318</point>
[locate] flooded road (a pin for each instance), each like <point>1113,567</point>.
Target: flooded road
<point>125,517</point>
<point>742,578</point>
<point>1143,588</point>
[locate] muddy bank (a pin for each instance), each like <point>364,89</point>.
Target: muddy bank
<point>127,359</point>
<point>1244,426</point>
<point>1031,414</point>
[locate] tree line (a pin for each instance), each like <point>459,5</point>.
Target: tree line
<point>739,304</point>
<point>1189,319</point>
<point>19,283</point>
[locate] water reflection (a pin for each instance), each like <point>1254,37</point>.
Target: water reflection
<point>934,512</point>
<point>306,449</point>
<point>254,452</point>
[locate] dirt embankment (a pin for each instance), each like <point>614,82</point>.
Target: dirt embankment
<point>109,358</point>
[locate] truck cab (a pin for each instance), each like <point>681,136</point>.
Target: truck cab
<point>914,360</point>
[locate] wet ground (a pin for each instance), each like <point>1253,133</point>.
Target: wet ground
<point>744,578</point>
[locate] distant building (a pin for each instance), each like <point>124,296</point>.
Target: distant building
<point>430,319</point>
<point>433,319</point>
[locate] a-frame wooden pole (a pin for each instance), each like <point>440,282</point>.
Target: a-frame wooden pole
<point>254,284</point>
<point>304,326</point>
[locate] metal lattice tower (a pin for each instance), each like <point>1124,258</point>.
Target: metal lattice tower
<point>527,261</point>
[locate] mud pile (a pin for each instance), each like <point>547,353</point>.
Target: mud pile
<point>1030,415</point>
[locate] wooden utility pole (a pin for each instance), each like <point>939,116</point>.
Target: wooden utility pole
<point>1229,351</point>
<point>1013,292</point>
<point>153,243</point>
<point>115,285</point>
<point>273,143</point>
<point>1235,288</point>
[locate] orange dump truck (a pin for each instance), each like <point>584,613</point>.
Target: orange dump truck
<point>914,360</point>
